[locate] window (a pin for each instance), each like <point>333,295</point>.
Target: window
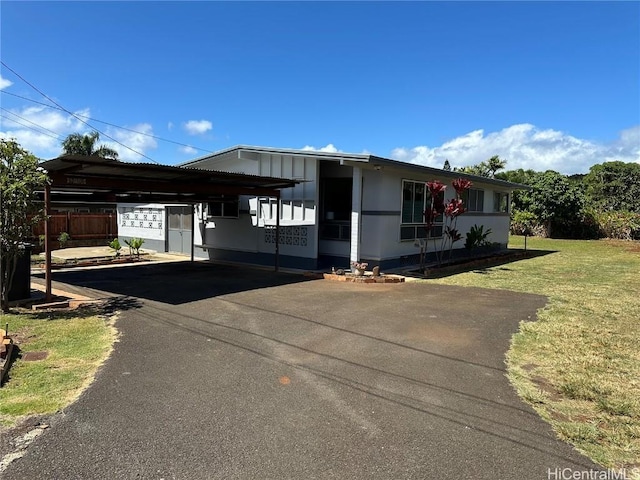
<point>224,206</point>
<point>473,200</point>
<point>335,231</point>
<point>415,198</point>
<point>500,202</point>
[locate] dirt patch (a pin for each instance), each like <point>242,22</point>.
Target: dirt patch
<point>544,385</point>
<point>34,356</point>
<point>632,246</point>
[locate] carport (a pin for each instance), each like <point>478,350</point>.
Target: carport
<point>92,179</point>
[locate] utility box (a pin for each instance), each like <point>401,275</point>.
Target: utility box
<point>21,286</point>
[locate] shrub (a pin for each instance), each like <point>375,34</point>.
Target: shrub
<point>525,223</point>
<point>63,238</point>
<point>115,245</point>
<point>621,225</point>
<point>134,246</point>
<point>477,237</point>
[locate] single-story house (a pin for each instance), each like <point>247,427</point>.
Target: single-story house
<point>347,207</point>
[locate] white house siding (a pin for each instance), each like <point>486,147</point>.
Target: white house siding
<point>381,219</point>
<point>146,221</point>
<point>251,237</point>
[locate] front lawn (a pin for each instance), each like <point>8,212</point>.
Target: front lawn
<point>578,365</point>
<point>76,344</point>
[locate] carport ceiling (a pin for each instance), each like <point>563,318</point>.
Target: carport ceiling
<point>91,179</point>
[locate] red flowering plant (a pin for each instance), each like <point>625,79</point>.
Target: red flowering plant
<point>451,210</point>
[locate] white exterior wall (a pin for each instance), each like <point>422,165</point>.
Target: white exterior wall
<point>382,203</point>
<point>147,221</point>
<point>382,199</point>
<point>298,214</point>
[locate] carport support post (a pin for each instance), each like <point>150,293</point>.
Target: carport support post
<point>193,230</point>
<point>47,243</point>
<point>277,265</point>
<point>356,209</point>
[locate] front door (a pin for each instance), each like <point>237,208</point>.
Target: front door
<point>179,229</point>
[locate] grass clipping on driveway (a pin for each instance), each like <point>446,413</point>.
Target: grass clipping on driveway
<point>77,342</point>
<point>578,365</point>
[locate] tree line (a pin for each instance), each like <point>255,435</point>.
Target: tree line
<point>602,203</point>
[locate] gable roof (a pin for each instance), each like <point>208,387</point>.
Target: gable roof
<point>356,159</point>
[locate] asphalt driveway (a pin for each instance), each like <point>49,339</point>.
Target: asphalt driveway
<point>233,373</point>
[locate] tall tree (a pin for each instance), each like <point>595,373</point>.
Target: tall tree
<point>614,186</point>
<point>494,164</point>
<point>521,176</point>
<point>79,144</point>
<point>554,200</point>
<point>447,166</point>
<point>20,177</point>
<point>484,169</point>
<point>480,169</point>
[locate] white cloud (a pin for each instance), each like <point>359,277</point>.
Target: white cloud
<point>43,142</point>
<point>198,127</point>
<point>330,148</point>
<point>170,126</point>
<point>528,147</point>
<point>55,126</point>
<point>189,150</point>
<point>137,141</point>
<point>4,83</point>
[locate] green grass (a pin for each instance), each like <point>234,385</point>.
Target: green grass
<point>77,343</point>
<point>578,365</point>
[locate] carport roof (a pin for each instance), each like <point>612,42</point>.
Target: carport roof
<point>104,180</point>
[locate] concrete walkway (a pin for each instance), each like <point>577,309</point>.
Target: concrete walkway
<point>88,253</point>
<point>223,372</point>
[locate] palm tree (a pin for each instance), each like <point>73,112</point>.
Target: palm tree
<point>78,144</point>
<point>494,164</point>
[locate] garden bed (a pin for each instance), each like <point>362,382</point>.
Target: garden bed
<point>366,278</point>
<point>57,263</point>
<point>472,263</point>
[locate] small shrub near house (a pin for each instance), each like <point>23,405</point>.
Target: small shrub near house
<point>134,245</point>
<point>115,246</point>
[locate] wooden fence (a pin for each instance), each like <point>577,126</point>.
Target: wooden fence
<point>80,226</point>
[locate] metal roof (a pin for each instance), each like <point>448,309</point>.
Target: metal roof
<point>373,161</point>
<point>283,151</point>
<point>105,180</point>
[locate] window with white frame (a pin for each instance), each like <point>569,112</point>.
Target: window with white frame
<point>415,200</point>
<point>501,202</point>
<point>473,200</point>
<point>224,206</point>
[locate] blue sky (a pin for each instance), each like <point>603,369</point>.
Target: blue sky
<point>542,84</point>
